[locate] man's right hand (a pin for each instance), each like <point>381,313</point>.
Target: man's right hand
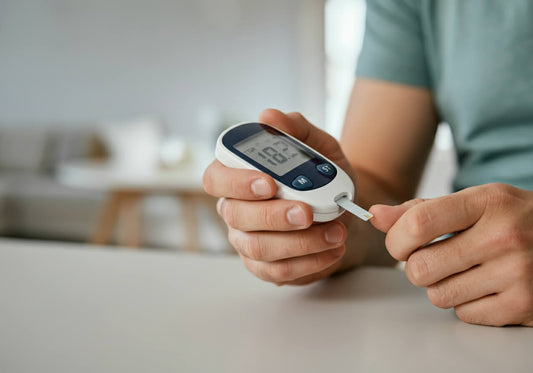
<point>276,238</point>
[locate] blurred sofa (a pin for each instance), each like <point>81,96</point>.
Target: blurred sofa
<point>32,203</point>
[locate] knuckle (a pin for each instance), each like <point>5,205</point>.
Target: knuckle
<point>207,181</point>
<point>300,242</point>
<point>417,269</point>
<point>318,262</point>
<point>235,185</point>
<point>442,296</point>
<point>418,220</point>
<point>464,315</point>
<point>500,194</point>
<point>267,217</point>
<point>231,237</point>
<point>265,111</point>
<point>247,244</point>
<point>510,236</point>
<point>255,268</point>
<point>280,271</point>
<point>393,250</point>
<point>253,248</point>
<point>480,318</point>
<point>298,115</point>
<point>250,265</point>
<point>297,245</point>
<point>499,237</point>
<point>517,237</point>
<point>229,214</point>
<point>234,239</point>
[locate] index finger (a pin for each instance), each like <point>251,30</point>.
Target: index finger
<point>221,181</point>
<point>431,219</point>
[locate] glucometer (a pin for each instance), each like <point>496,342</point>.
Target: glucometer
<point>301,173</point>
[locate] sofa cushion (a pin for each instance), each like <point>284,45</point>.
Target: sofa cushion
<point>23,148</point>
<point>71,142</point>
<point>37,206</point>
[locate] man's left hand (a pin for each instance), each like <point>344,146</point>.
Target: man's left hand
<point>485,270</point>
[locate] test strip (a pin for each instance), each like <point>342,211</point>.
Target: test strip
<point>348,205</point>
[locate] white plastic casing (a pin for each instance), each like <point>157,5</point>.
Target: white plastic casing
<point>321,200</point>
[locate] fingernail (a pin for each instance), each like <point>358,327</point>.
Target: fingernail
<point>261,188</point>
<point>296,216</point>
<point>220,204</point>
<point>334,234</point>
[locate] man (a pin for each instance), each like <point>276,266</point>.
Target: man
<point>468,63</point>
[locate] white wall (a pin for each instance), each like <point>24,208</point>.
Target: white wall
<point>77,61</point>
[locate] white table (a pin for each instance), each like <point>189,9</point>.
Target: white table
<point>69,309</point>
<point>126,187</point>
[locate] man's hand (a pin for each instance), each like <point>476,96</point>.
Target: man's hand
<point>275,238</point>
<point>485,270</point>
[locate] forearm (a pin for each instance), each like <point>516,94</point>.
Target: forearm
<point>387,136</point>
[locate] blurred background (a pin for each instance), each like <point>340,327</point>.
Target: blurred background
<point>109,109</point>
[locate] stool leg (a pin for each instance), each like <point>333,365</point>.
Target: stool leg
<point>190,218</point>
<point>108,219</point>
<point>132,227</point>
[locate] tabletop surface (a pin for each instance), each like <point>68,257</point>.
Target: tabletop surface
<point>66,308</point>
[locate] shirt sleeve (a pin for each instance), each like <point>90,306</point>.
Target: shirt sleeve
<point>393,45</point>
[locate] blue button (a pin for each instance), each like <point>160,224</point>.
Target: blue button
<point>325,169</point>
<point>302,182</point>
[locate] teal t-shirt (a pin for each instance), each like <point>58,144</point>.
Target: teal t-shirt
<point>477,58</point>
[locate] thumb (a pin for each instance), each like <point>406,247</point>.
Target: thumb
<point>385,216</point>
<point>295,124</point>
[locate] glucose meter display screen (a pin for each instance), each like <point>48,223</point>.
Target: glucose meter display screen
<point>273,152</point>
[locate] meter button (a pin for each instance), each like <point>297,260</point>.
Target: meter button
<point>302,182</point>
<point>325,169</point>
